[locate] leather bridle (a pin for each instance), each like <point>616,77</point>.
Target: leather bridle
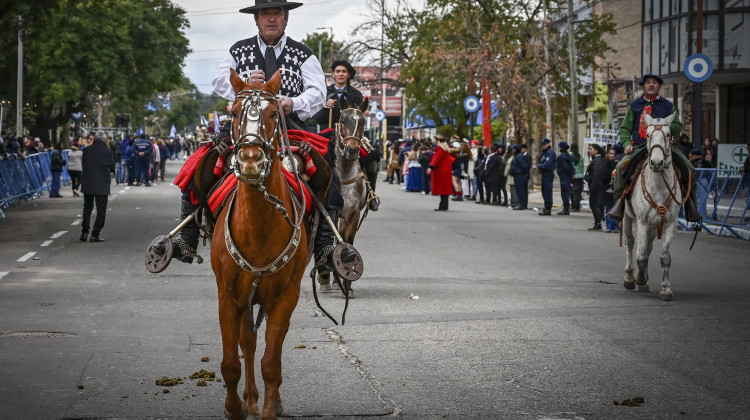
<point>667,151</point>
<point>252,113</point>
<point>661,210</point>
<point>356,133</point>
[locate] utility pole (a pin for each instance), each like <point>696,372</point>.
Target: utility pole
<point>382,70</point>
<point>547,100</point>
<point>698,90</point>
<point>19,86</point>
<point>573,131</point>
<point>330,45</point>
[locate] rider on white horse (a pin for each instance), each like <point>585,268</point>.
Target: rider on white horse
<point>633,137</point>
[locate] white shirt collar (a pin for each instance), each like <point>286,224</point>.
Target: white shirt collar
<point>277,48</point>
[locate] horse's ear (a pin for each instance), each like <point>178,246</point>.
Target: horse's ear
<point>275,83</point>
<point>343,104</point>
<point>364,105</point>
<point>647,118</point>
<point>236,81</point>
<point>667,121</point>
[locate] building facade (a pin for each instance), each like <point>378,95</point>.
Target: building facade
<point>657,36</point>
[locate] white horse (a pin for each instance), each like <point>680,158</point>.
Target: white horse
<point>653,207</point>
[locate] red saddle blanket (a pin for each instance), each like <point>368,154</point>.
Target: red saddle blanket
<point>217,198</point>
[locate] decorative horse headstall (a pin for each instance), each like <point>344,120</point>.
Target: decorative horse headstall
<point>667,152</point>
<point>343,137</point>
<point>251,130</point>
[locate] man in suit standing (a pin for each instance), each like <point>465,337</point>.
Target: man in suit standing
<point>97,163</point>
<point>493,172</point>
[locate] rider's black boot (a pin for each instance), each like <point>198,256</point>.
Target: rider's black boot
<point>618,209</point>
<point>186,240</point>
<point>325,242</point>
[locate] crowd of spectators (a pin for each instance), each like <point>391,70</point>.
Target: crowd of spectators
<point>498,175</point>
<point>12,147</point>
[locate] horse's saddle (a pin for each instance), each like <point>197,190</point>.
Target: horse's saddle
<point>214,182</point>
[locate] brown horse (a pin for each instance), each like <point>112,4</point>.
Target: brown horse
<point>262,258</point>
<point>354,189</point>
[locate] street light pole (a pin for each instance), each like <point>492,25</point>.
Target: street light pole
<point>19,85</point>
<point>330,43</point>
<point>573,132</point>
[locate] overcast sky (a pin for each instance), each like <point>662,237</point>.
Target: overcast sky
<point>216,25</point>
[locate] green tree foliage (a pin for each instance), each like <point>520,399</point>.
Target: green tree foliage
<point>125,50</point>
<point>320,43</point>
<point>445,51</point>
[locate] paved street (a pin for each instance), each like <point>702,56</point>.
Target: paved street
<point>517,317</point>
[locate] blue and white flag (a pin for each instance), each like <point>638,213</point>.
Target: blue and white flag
<point>204,121</point>
<point>173,132</point>
<point>216,122</point>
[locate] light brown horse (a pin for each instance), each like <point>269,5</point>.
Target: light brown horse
<point>259,251</point>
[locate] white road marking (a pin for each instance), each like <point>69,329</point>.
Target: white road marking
<point>123,191</point>
<point>27,256</point>
<point>46,243</point>
<point>76,222</point>
<point>58,234</point>
<point>3,274</point>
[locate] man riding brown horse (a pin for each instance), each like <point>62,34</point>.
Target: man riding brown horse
<point>301,95</point>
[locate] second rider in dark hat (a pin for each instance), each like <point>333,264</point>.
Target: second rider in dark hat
<point>343,73</point>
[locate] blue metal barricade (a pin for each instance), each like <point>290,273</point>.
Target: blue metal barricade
<point>24,179</point>
<point>723,198</point>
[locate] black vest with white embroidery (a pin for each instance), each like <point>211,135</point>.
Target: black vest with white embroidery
<point>248,57</point>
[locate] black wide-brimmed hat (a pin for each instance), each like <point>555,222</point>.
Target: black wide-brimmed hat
<point>268,4</point>
<point>346,64</point>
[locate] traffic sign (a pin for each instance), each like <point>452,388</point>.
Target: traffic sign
<point>76,115</point>
<point>471,104</point>
<point>698,67</point>
<point>380,115</point>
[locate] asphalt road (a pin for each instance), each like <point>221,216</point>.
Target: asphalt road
<point>517,317</point>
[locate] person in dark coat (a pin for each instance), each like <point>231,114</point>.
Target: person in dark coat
<point>370,164</point>
<point>502,191</point>
<point>546,166</point>
<point>440,171</point>
<point>424,158</point>
<point>479,174</point>
<point>343,73</point>
<point>493,172</point>
<point>57,162</point>
<point>143,150</point>
<point>685,145</point>
<point>519,168</point>
<point>597,176</point>
<point>566,172</point>
<point>97,164</point>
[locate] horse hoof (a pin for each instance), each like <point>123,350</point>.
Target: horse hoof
<point>629,285</point>
<point>325,288</point>
<point>351,294</point>
<point>665,297</point>
<point>245,411</point>
<point>644,288</point>
<point>279,408</point>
